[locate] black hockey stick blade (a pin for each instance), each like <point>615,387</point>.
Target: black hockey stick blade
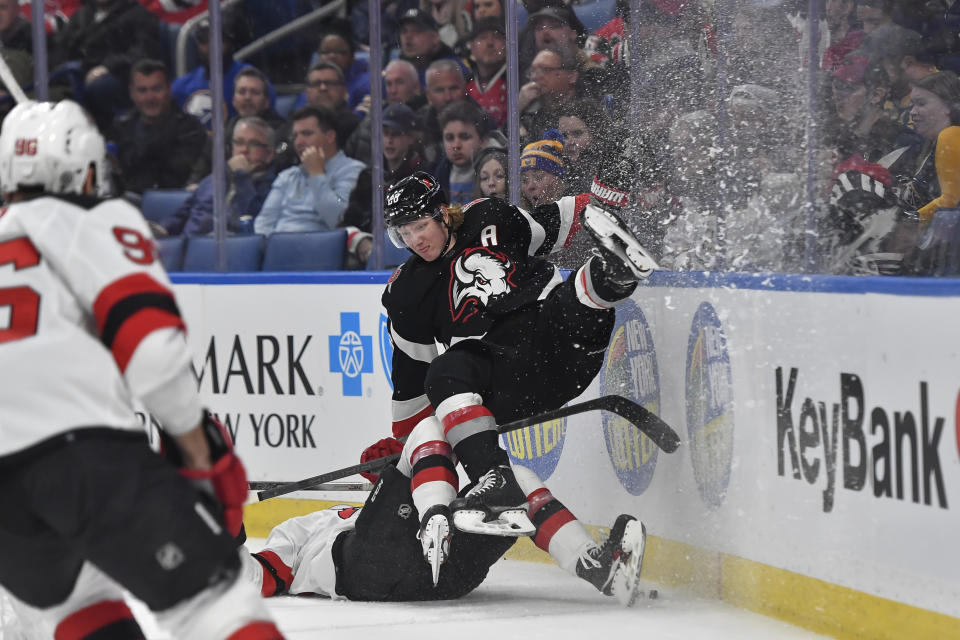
<point>643,419</point>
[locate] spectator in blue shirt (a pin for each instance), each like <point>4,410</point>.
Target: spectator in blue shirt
<point>249,178</point>
<point>313,195</point>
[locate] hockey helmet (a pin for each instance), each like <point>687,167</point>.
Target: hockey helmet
<point>417,196</point>
<point>865,219</point>
<point>50,146</point>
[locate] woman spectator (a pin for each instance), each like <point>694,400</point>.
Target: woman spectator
<point>338,46</point>
<point>936,116</point>
<point>491,174</point>
<point>452,18</point>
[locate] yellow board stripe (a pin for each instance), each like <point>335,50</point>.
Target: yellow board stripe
<point>800,600</point>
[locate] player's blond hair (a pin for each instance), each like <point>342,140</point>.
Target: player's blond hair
<point>455,211</point>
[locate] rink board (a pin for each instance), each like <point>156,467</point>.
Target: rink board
<point>819,469</point>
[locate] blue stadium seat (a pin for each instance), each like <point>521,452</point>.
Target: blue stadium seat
<point>244,253</point>
<point>392,256</point>
<point>306,251</point>
<point>170,251</point>
<point>159,205</point>
<point>285,103</point>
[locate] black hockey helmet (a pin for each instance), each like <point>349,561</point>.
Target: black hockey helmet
<point>417,196</point>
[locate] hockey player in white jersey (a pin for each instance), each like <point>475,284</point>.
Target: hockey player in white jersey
<point>377,553</point>
<point>88,322</point>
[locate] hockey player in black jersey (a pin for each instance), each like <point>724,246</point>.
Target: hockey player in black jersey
<point>518,339</point>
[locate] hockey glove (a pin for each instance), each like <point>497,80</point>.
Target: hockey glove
<point>225,480</point>
<point>379,449</point>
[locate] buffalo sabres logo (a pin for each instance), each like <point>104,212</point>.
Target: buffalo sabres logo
<point>479,275</point>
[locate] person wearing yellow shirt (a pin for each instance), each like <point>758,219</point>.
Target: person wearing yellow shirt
<point>936,116</point>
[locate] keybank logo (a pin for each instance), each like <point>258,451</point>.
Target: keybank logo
<point>630,369</point>
<point>351,354</point>
<point>710,423</point>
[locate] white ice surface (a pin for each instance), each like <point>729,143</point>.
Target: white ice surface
<point>526,601</point>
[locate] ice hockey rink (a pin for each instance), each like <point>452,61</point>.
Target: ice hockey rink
<point>523,600</point>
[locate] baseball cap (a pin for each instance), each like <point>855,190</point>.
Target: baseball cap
<point>489,23</point>
<point>419,17</point>
<point>562,14</point>
<point>400,117</point>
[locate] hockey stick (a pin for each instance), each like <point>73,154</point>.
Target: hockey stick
<point>13,87</point>
<point>647,422</point>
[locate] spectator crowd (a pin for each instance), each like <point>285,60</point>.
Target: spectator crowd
<point>761,148</point>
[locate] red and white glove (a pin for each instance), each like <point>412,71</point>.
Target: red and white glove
<point>225,480</point>
<point>379,449</point>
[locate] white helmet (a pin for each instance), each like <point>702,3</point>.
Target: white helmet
<point>51,145</point>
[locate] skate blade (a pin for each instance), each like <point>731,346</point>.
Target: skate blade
<point>604,226</point>
<point>626,579</point>
<point>436,541</point>
<point>512,523</point>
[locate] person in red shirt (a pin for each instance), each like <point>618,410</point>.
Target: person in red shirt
<point>488,54</point>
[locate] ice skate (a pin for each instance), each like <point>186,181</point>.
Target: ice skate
<point>436,530</point>
<point>624,258</point>
<point>495,506</point>
<point>614,567</point>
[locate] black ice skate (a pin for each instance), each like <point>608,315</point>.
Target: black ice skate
<point>436,530</point>
<point>495,506</point>
<point>614,567</point>
<point>625,261</point>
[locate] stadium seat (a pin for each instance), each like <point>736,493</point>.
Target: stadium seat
<point>306,251</point>
<point>159,205</point>
<point>170,251</point>
<point>392,256</point>
<point>244,253</point>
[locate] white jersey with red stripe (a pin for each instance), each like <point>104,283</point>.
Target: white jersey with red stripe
<point>88,322</point>
<point>301,549</point>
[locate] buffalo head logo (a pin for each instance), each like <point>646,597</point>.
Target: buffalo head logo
<point>479,275</point>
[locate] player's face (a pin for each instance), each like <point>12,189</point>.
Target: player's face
<point>250,96</point>
<point>493,179</point>
<point>460,142</point>
<point>443,88</point>
<point>400,85</point>
<point>150,93</point>
<point>931,115</point>
<point>540,187</point>
<point>426,237</point>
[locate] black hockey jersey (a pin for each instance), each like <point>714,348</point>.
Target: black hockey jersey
<point>495,268</point>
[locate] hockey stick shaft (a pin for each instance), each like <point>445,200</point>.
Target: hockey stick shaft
<point>13,87</point>
<point>643,419</point>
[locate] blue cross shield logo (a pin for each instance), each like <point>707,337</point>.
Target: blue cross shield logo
<point>351,354</point>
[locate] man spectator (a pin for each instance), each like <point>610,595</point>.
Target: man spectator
<point>107,37</point>
<point>420,42</point>
<point>403,87</point>
<point>445,85</point>
<point>843,38</point>
<point>465,130</point>
<point>249,178</point>
<point>192,90</point>
<point>313,195</point>
<point>547,27</point>
<point>400,154</point>
<point>403,84</point>
<point>15,30</point>
<point>326,87</point>
<point>157,144</point>
<point>873,14</point>
<point>251,97</point>
<point>488,52</point>
<point>553,83</point>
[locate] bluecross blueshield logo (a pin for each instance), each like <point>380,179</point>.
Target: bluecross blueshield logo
<point>630,369</point>
<point>709,405</point>
<point>386,350</point>
<point>351,354</point>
